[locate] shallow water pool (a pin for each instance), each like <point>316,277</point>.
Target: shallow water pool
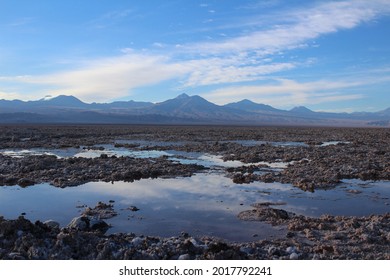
<point>204,204</point>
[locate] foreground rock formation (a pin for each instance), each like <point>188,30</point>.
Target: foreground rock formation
<point>327,237</point>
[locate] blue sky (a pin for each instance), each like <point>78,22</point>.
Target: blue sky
<point>326,55</point>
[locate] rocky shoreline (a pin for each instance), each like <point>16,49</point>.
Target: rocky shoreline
<point>30,170</point>
<point>327,237</point>
<point>316,167</point>
<point>354,153</point>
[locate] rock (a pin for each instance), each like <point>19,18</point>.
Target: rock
<point>97,224</point>
<point>100,211</point>
<point>15,256</point>
<point>315,257</point>
<point>290,250</point>
<point>274,251</point>
<point>133,208</point>
<point>294,256</point>
<point>247,250</point>
<point>196,243</point>
<point>279,213</point>
<point>263,212</point>
<point>79,223</point>
<point>354,191</point>
<point>290,234</point>
<point>52,224</point>
<point>137,241</point>
<point>25,182</point>
<point>184,257</point>
<point>21,239</point>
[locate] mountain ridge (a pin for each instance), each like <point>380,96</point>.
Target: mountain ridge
<point>181,109</point>
<point>249,105</point>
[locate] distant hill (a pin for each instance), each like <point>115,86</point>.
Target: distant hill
<point>251,106</point>
<point>194,107</point>
<point>60,101</point>
<point>385,112</point>
<point>183,109</point>
<point>302,110</point>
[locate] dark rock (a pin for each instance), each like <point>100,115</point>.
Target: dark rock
<point>96,224</point>
<point>25,182</point>
<point>79,223</point>
<point>133,208</point>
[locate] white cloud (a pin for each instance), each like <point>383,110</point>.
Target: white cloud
<point>9,95</point>
<point>302,25</point>
<point>112,78</point>
<point>215,71</point>
<point>287,92</point>
<point>107,78</point>
<point>158,45</point>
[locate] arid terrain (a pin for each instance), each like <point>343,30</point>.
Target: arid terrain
<point>308,158</point>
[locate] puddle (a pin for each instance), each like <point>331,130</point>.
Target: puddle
<point>23,153</point>
<point>121,152</point>
<point>331,143</point>
<point>207,160</point>
<point>350,198</point>
<point>200,205</point>
<point>204,204</point>
<point>204,159</point>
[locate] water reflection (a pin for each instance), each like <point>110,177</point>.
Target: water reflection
<point>332,143</point>
<point>120,152</point>
<point>205,159</point>
<point>200,205</point>
<point>204,204</point>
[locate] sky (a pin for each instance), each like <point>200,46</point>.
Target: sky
<point>326,55</point>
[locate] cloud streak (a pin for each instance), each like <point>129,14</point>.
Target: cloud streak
<point>286,92</point>
<point>303,25</point>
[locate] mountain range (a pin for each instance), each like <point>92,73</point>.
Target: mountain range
<point>183,109</point>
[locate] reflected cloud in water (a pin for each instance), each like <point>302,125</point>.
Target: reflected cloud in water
<point>204,204</point>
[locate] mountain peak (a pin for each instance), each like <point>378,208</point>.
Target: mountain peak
<point>183,96</point>
<point>301,109</point>
<point>246,101</point>
<point>249,105</point>
<point>64,100</point>
<point>64,97</point>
